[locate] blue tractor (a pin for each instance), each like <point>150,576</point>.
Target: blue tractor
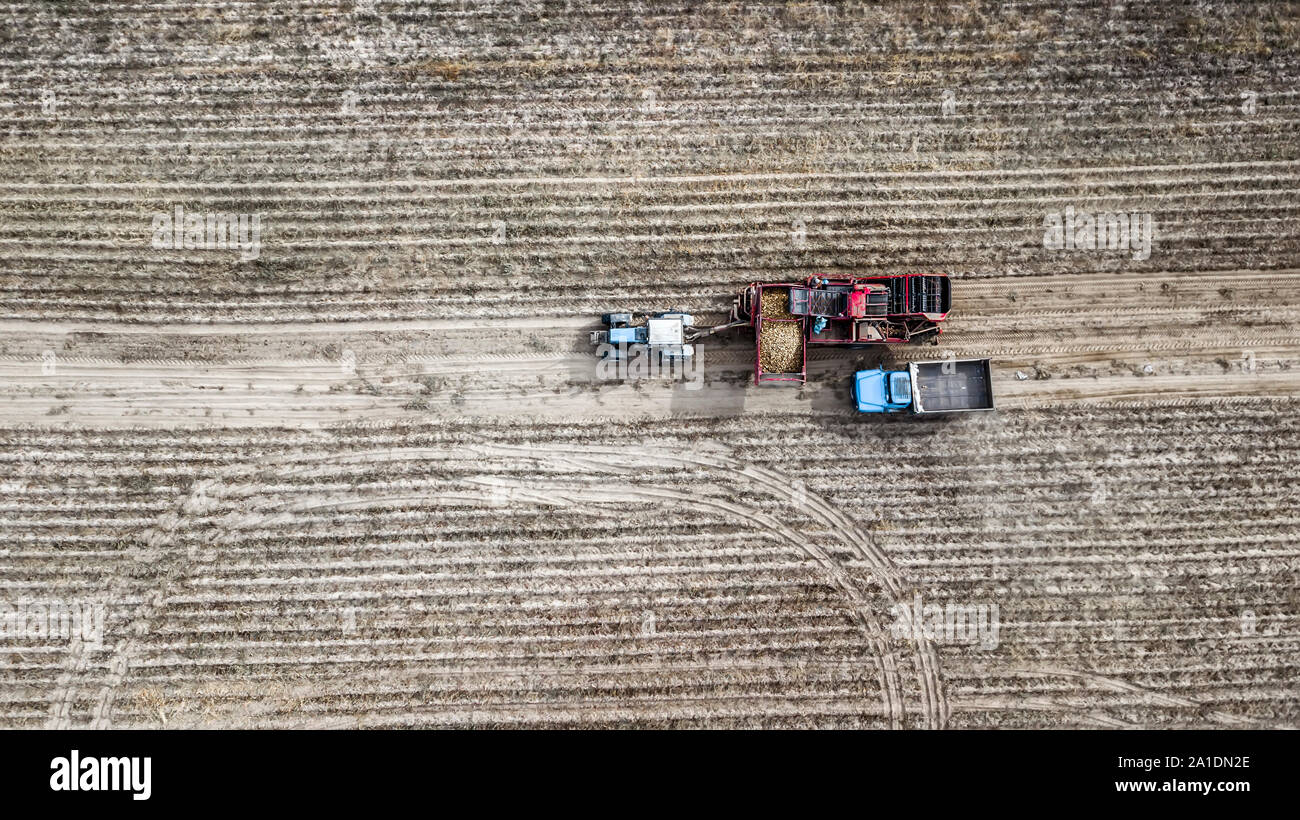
<point>670,334</point>
<point>667,334</point>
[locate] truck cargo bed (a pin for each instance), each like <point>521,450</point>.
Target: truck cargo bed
<point>952,386</point>
<point>781,355</point>
<point>779,337</point>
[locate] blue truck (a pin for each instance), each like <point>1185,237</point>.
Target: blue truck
<point>944,386</point>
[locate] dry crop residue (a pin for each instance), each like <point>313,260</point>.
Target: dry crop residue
<point>272,471</point>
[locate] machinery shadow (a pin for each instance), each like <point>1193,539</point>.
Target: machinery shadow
<point>720,388</point>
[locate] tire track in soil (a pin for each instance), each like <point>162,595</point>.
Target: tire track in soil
<point>125,650</point>
<point>885,572</point>
<point>887,666</point>
<point>1157,698</point>
<point>176,565</point>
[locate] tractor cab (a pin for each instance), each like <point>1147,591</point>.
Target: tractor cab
<point>882,391</point>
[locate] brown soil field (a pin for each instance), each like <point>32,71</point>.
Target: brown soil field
<point>367,474</point>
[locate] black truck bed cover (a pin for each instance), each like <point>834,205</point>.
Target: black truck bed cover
<point>952,385</point>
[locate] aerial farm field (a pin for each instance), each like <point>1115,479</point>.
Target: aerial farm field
<point>352,464</point>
